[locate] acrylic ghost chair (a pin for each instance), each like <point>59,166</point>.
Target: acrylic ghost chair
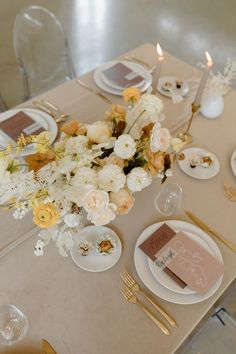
<point>3,105</point>
<point>41,49</point>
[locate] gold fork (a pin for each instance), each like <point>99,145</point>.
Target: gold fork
<point>133,285</point>
<point>129,296</point>
<point>57,117</point>
<point>98,93</point>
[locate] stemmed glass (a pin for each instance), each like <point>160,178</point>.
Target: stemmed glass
<point>168,200</point>
<point>13,324</point>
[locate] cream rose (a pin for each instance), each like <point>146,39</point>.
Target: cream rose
<point>123,200</point>
<point>95,201</point>
<point>177,144</point>
<point>160,139</point>
<point>104,217</point>
<point>98,132</point>
<point>115,160</point>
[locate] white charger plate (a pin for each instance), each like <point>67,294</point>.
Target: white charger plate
<point>99,77</point>
<point>165,280</point>
<point>47,122</point>
<point>233,162</point>
<point>183,91</point>
<point>94,262</point>
<point>198,172</point>
<point>145,274</point>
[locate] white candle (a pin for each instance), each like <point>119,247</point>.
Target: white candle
<point>157,71</point>
<point>197,100</point>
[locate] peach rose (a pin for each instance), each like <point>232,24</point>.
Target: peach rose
<point>123,200</point>
<point>45,215</point>
<point>155,161</point>
<point>74,127</point>
<point>160,139</point>
<point>117,112</point>
<point>115,160</point>
<point>98,132</point>
<point>131,94</point>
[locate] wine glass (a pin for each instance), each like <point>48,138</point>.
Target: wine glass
<point>13,324</point>
<point>168,200</point>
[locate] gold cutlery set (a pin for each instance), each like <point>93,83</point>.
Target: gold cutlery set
<point>47,348</point>
<point>52,110</point>
<point>131,286</point>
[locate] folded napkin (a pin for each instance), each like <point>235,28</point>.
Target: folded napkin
<point>123,76</point>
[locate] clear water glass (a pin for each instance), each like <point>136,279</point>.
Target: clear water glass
<point>168,200</point>
<point>13,324</point>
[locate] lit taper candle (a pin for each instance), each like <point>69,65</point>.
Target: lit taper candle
<point>197,100</point>
<point>156,76</point>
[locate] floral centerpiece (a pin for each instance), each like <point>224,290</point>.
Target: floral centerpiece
<point>94,169</point>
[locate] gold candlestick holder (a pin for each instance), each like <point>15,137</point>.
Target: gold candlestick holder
<point>185,136</point>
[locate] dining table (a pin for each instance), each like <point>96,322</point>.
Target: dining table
<point>82,312</point>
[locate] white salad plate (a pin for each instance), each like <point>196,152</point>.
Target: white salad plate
<point>152,283</point>
<point>171,80</point>
<point>106,85</point>
<point>95,262</point>
<point>199,172</point>
<point>233,162</point>
<point>44,119</point>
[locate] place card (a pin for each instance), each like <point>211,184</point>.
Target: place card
<point>123,76</point>
<point>19,123</point>
<point>155,243</point>
<point>190,262</point>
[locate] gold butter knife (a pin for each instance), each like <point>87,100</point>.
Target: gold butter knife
<point>47,348</point>
<point>210,231</point>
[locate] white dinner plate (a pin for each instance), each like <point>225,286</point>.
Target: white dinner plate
<point>45,120</point>
<point>198,172</point>
<point>182,91</point>
<point>99,77</point>
<point>145,274</point>
<point>233,162</point>
<point>94,262</point>
<point>165,280</point>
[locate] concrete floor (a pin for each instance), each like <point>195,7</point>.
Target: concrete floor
<point>98,30</point>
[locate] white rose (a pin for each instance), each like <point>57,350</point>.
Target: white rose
<point>72,220</point>
<point>104,217</point>
<point>177,144</point>
<point>125,146</point>
<point>138,179</point>
<point>95,201</point>
<point>98,132</point>
<point>111,178</point>
<point>77,193</point>
<point>160,139</point>
<point>85,175</point>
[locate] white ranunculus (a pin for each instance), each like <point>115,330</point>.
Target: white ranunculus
<point>125,146</point>
<point>98,132</point>
<point>104,217</point>
<point>111,178</point>
<point>160,139</point>
<point>138,179</point>
<point>85,175</point>
<point>95,201</point>
<point>72,220</point>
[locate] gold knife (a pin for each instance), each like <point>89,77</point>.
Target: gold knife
<point>47,348</point>
<point>210,231</point>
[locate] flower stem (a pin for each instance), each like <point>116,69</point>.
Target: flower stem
<point>132,125</point>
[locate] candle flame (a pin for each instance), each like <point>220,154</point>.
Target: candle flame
<point>159,50</point>
<point>209,60</point>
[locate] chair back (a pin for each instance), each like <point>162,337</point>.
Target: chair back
<point>40,45</point>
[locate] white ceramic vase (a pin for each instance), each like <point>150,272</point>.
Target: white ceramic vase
<point>212,105</point>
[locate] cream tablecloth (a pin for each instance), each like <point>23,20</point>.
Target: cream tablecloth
<point>84,313</point>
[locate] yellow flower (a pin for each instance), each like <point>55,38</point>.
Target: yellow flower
<point>46,215</point>
<point>74,127</point>
<point>38,160</point>
<point>131,94</point>
<point>42,141</point>
<point>9,148</point>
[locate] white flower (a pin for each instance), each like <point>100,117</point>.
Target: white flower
<point>177,144</point>
<point>138,179</point>
<point>160,139</point>
<point>152,105</point>
<point>95,201</point>
<point>38,248</point>
<point>98,132</point>
<point>103,217</point>
<point>85,175</point>
<point>72,220</point>
<point>111,178</point>
<point>76,144</point>
<point>76,193</point>
<point>7,166</point>
<point>64,242</point>
<point>66,166</point>
<point>168,173</point>
<point>125,146</point>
